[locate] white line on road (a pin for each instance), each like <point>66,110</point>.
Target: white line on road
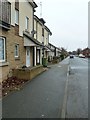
<point>64,107</point>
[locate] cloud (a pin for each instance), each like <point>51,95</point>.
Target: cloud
<point>68,21</point>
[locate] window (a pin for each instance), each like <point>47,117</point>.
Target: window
<point>46,41</point>
<point>27,23</point>
<point>5,13</point>
<point>17,50</point>
<point>2,49</point>
<point>16,16</point>
<point>42,31</point>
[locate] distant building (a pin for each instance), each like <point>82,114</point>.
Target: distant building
<point>86,52</point>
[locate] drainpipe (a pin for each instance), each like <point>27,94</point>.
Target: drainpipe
<point>33,25</point>
<point>33,37</point>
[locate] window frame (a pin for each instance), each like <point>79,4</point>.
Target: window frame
<point>4,39</point>
<point>27,23</point>
<point>16,51</point>
<point>17,16</point>
<point>43,32</point>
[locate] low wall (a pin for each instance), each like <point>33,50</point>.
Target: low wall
<point>28,73</point>
<point>4,71</point>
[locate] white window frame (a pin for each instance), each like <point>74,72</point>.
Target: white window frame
<point>16,16</point>
<point>26,23</point>
<point>17,51</point>
<point>4,50</point>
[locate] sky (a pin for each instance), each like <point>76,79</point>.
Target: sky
<point>67,20</point>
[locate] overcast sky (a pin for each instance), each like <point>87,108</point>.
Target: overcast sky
<point>67,20</point>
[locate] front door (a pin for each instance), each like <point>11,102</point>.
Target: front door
<point>27,56</point>
<point>38,56</point>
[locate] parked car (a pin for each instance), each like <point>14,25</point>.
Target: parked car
<point>81,56</point>
<point>71,56</point>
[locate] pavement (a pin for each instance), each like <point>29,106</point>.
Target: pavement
<point>42,97</point>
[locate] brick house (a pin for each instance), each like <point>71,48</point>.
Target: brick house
<point>17,44</point>
<point>86,52</point>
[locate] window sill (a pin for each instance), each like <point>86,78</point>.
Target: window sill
<point>4,64</point>
<point>17,58</point>
<point>17,24</point>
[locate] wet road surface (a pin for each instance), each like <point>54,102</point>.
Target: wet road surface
<point>53,94</point>
<point>77,102</point>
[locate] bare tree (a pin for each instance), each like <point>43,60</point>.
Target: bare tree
<point>79,51</point>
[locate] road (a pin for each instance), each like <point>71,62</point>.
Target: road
<point>40,98</point>
<point>53,94</point>
<point>77,102</point>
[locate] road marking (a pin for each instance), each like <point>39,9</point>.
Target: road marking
<point>64,107</point>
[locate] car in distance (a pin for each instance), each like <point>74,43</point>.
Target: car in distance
<point>71,56</point>
<point>81,56</point>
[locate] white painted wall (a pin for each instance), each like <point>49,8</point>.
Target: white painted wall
<point>46,37</point>
<point>39,32</point>
<point>35,24</point>
<point>25,9</point>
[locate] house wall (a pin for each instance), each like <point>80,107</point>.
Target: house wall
<point>51,53</point>
<point>24,6</point>
<point>46,37</point>
<point>11,40</point>
<point>57,53</point>
<point>31,56</point>
<point>12,12</point>
<point>86,52</point>
<point>35,28</point>
<point>25,9</point>
<point>39,32</point>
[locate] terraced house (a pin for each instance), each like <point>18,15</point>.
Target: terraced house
<point>42,35</point>
<point>21,43</point>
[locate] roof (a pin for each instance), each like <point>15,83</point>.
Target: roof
<point>42,20</point>
<point>86,49</point>
<point>35,17</point>
<point>48,30</point>
<point>47,47</point>
<point>58,49</point>
<point>52,45</point>
<point>33,4</point>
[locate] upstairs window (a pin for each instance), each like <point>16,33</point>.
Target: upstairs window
<point>26,23</point>
<point>16,16</point>
<point>42,31</point>
<point>5,14</point>
<point>16,50</point>
<point>2,49</point>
